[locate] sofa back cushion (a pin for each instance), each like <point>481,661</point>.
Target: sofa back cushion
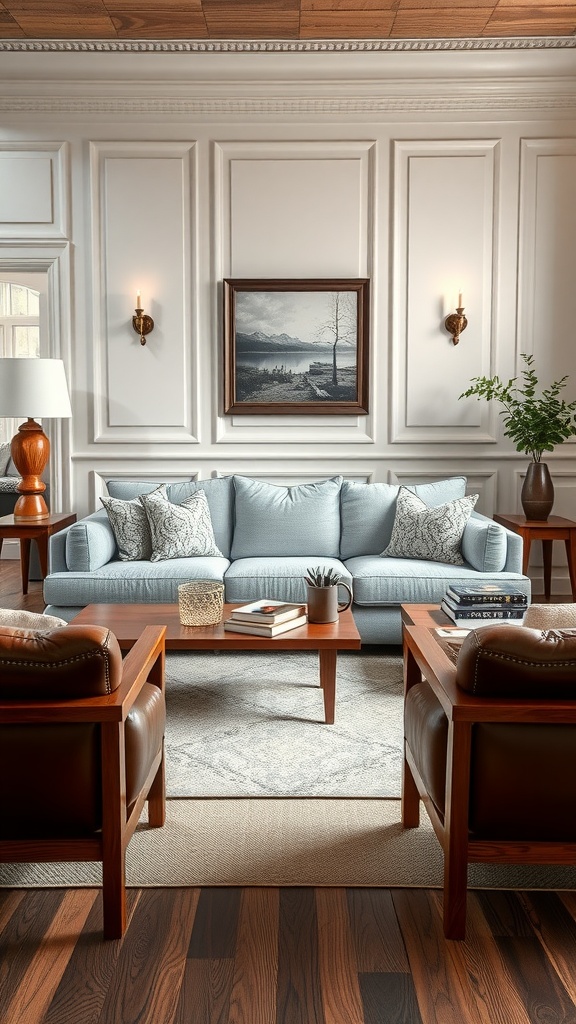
<point>368,511</point>
<point>300,520</point>
<point>219,493</point>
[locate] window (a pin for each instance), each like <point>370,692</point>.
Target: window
<point>19,332</point>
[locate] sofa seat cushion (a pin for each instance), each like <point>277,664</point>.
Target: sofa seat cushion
<point>280,579</point>
<point>300,520</point>
<point>414,581</point>
<point>127,582</point>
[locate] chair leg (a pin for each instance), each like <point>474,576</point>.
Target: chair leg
<point>157,797</point>
<point>410,798</point>
<point>114,893</point>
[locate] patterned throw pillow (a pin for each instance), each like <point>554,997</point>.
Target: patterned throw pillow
<point>431,533</point>
<point>4,457</point>
<point>179,531</point>
<point>130,525</point>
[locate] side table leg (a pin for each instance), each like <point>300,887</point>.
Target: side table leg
<point>547,558</point>
<point>42,544</point>
<point>571,558</point>
<point>327,664</point>
<point>525,551</point>
<point>25,543</point>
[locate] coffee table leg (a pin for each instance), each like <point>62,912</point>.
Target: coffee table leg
<point>327,662</point>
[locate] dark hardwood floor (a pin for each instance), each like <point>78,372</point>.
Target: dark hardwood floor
<point>282,956</point>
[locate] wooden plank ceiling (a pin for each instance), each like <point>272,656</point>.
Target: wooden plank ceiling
<point>284,19</point>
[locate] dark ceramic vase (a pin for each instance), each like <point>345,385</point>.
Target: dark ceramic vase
<point>537,494</point>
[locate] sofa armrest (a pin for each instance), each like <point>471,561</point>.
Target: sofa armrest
<point>90,543</point>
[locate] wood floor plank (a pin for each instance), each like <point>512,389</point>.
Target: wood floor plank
<point>443,996</point>
<point>41,980</point>
<point>253,998</point>
<point>299,999</point>
<point>21,938</point>
<point>151,964</point>
<point>556,929</point>
<point>205,992</point>
<point>338,969</point>
<point>88,975</point>
<point>488,979</point>
<point>215,924</point>
<point>9,902</point>
<point>536,981</point>
<point>389,999</point>
<point>505,914</point>
<point>377,936</point>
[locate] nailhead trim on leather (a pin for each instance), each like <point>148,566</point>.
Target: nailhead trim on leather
<point>99,653</point>
<point>482,652</point>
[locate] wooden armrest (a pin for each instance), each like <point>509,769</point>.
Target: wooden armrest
<point>145,662</point>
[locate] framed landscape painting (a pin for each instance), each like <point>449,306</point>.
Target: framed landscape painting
<point>296,346</point>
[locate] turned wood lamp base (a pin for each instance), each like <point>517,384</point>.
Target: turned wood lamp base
<point>30,450</point>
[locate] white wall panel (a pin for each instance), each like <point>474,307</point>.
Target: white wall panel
<point>444,226</point>
<point>547,292</point>
<point>295,210</point>
<point>145,221</point>
<point>33,189</point>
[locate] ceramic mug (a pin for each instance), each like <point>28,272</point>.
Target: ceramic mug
<point>323,603</point>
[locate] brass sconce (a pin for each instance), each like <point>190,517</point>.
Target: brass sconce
<point>141,322</point>
<point>456,322</point>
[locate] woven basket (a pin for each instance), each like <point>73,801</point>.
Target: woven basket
<point>200,602</point>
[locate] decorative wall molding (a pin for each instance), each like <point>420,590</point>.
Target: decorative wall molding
<point>49,188</point>
<point>281,45</point>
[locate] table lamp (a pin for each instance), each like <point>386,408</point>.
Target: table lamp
<point>35,386</point>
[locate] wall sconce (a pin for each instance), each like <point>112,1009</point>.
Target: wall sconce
<point>456,322</point>
<point>141,322</point>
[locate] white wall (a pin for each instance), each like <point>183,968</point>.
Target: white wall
<point>428,172</point>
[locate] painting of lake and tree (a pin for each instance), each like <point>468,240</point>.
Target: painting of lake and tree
<point>296,346</point>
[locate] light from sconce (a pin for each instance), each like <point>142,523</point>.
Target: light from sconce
<point>456,322</point>
<point>141,322</point>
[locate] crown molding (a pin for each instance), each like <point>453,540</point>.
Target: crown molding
<point>282,45</point>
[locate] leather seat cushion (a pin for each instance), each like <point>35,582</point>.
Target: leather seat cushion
<point>144,731</point>
<point>61,663</point>
<point>426,731</point>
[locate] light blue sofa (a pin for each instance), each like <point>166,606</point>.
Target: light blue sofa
<point>269,535</point>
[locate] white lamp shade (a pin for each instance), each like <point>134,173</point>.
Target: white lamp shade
<point>33,388</point>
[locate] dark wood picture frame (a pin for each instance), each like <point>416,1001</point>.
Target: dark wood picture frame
<point>271,369</point>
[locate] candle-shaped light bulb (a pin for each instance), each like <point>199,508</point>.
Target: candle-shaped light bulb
<point>460,303</point>
<point>138,300</point>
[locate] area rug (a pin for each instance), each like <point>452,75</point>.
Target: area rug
<point>251,723</point>
<point>314,842</point>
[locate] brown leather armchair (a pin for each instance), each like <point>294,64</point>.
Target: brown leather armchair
<point>490,748</point>
<point>81,749</point>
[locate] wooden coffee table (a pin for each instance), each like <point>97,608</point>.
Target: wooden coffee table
<point>128,620</point>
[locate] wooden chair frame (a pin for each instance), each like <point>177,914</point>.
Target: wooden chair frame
<point>145,662</point>
<point>423,658</point>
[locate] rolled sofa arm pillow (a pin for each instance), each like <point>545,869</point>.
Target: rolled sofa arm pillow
<point>90,543</point>
<point>514,661</point>
<point>484,544</point>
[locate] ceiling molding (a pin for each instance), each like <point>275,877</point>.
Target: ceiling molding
<point>282,46</point>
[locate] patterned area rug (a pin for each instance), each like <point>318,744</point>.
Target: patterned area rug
<point>252,724</point>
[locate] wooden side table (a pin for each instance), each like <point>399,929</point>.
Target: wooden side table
<point>39,531</point>
<point>548,530</point>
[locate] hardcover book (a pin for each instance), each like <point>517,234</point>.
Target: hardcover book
<point>469,617</point>
<point>487,608</point>
<point>268,612</point>
<point>261,629</point>
<point>486,593</point>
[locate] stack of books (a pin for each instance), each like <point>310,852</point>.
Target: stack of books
<point>266,618</point>
<point>470,605</point>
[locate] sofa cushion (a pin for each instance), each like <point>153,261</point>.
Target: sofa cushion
<point>132,582</point>
<point>433,534</point>
<point>131,526</point>
<point>395,581</point>
<point>126,490</point>
<point>368,511</point>
<point>179,531</point>
<point>484,544</point>
<point>280,579</point>
<point>90,543</point>
<point>276,521</point>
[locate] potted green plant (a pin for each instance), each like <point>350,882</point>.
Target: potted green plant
<point>536,423</point>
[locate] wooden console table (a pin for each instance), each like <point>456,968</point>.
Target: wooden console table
<point>26,532</point>
<point>546,530</point>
